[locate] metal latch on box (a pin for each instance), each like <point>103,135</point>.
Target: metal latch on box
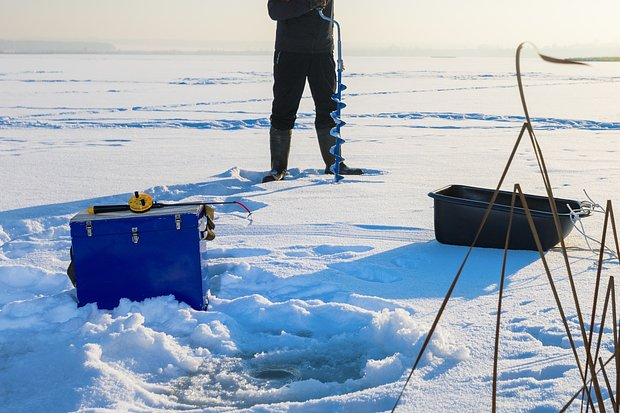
<point>134,235</point>
<point>177,220</point>
<point>89,228</point>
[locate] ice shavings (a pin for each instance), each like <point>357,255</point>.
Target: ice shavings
<point>4,237</point>
<point>215,336</point>
<point>156,354</point>
<point>126,340</point>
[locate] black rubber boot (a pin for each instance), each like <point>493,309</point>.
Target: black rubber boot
<point>326,141</point>
<point>280,147</point>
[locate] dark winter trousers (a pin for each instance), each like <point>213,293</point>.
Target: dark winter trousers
<point>290,71</point>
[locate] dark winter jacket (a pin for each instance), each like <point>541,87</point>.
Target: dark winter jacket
<point>300,29</point>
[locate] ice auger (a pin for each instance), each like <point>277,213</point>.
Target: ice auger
<point>337,97</point>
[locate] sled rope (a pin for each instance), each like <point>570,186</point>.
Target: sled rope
<point>336,114</point>
<point>587,208</point>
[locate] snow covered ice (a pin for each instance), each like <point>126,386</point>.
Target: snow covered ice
<point>322,303</point>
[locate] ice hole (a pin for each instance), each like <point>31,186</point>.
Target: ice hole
<point>276,374</point>
<point>326,368</point>
<point>250,380</point>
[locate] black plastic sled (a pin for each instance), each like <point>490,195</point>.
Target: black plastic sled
<point>459,211</point>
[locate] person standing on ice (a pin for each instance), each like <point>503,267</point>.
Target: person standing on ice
<point>304,50</point>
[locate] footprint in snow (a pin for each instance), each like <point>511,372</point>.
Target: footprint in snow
<point>336,250</point>
<point>544,374</point>
<point>237,252</point>
<point>547,337</point>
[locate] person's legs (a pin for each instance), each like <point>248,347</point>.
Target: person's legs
<point>289,81</point>
<point>322,81</point>
<point>289,74</point>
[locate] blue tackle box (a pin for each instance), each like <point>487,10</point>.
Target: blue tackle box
<point>140,255</point>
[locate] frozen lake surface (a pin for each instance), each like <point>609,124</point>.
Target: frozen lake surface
<point>320,304</point>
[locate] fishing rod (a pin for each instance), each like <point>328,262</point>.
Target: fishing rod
<point>140,203</point>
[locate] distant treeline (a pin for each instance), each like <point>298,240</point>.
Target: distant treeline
<point>78,47</point>
<point>36,46</point>
<point>597,59</point>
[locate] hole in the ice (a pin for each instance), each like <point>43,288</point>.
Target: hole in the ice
<point>276,374</point>
<point>264,377</point>
<point>322,368</point>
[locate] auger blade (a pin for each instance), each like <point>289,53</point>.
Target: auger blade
<point>336,117</point>
<point>335,150</point>
<point>339,122</point>
<point>339,104</point>
<point>335,131</point>
<point>336,172</point>
<point>339,159</point>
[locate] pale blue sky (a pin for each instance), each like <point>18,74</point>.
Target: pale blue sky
<point>244,24</point>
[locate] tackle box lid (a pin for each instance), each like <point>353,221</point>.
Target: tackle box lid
<point>85,224</point>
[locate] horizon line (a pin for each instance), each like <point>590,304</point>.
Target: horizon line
<point>107,48</point>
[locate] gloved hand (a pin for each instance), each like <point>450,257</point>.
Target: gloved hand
<point>317,4</point>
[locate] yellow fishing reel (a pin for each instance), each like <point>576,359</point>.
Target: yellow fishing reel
<point>140,202</point>
<point>137,203</point>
